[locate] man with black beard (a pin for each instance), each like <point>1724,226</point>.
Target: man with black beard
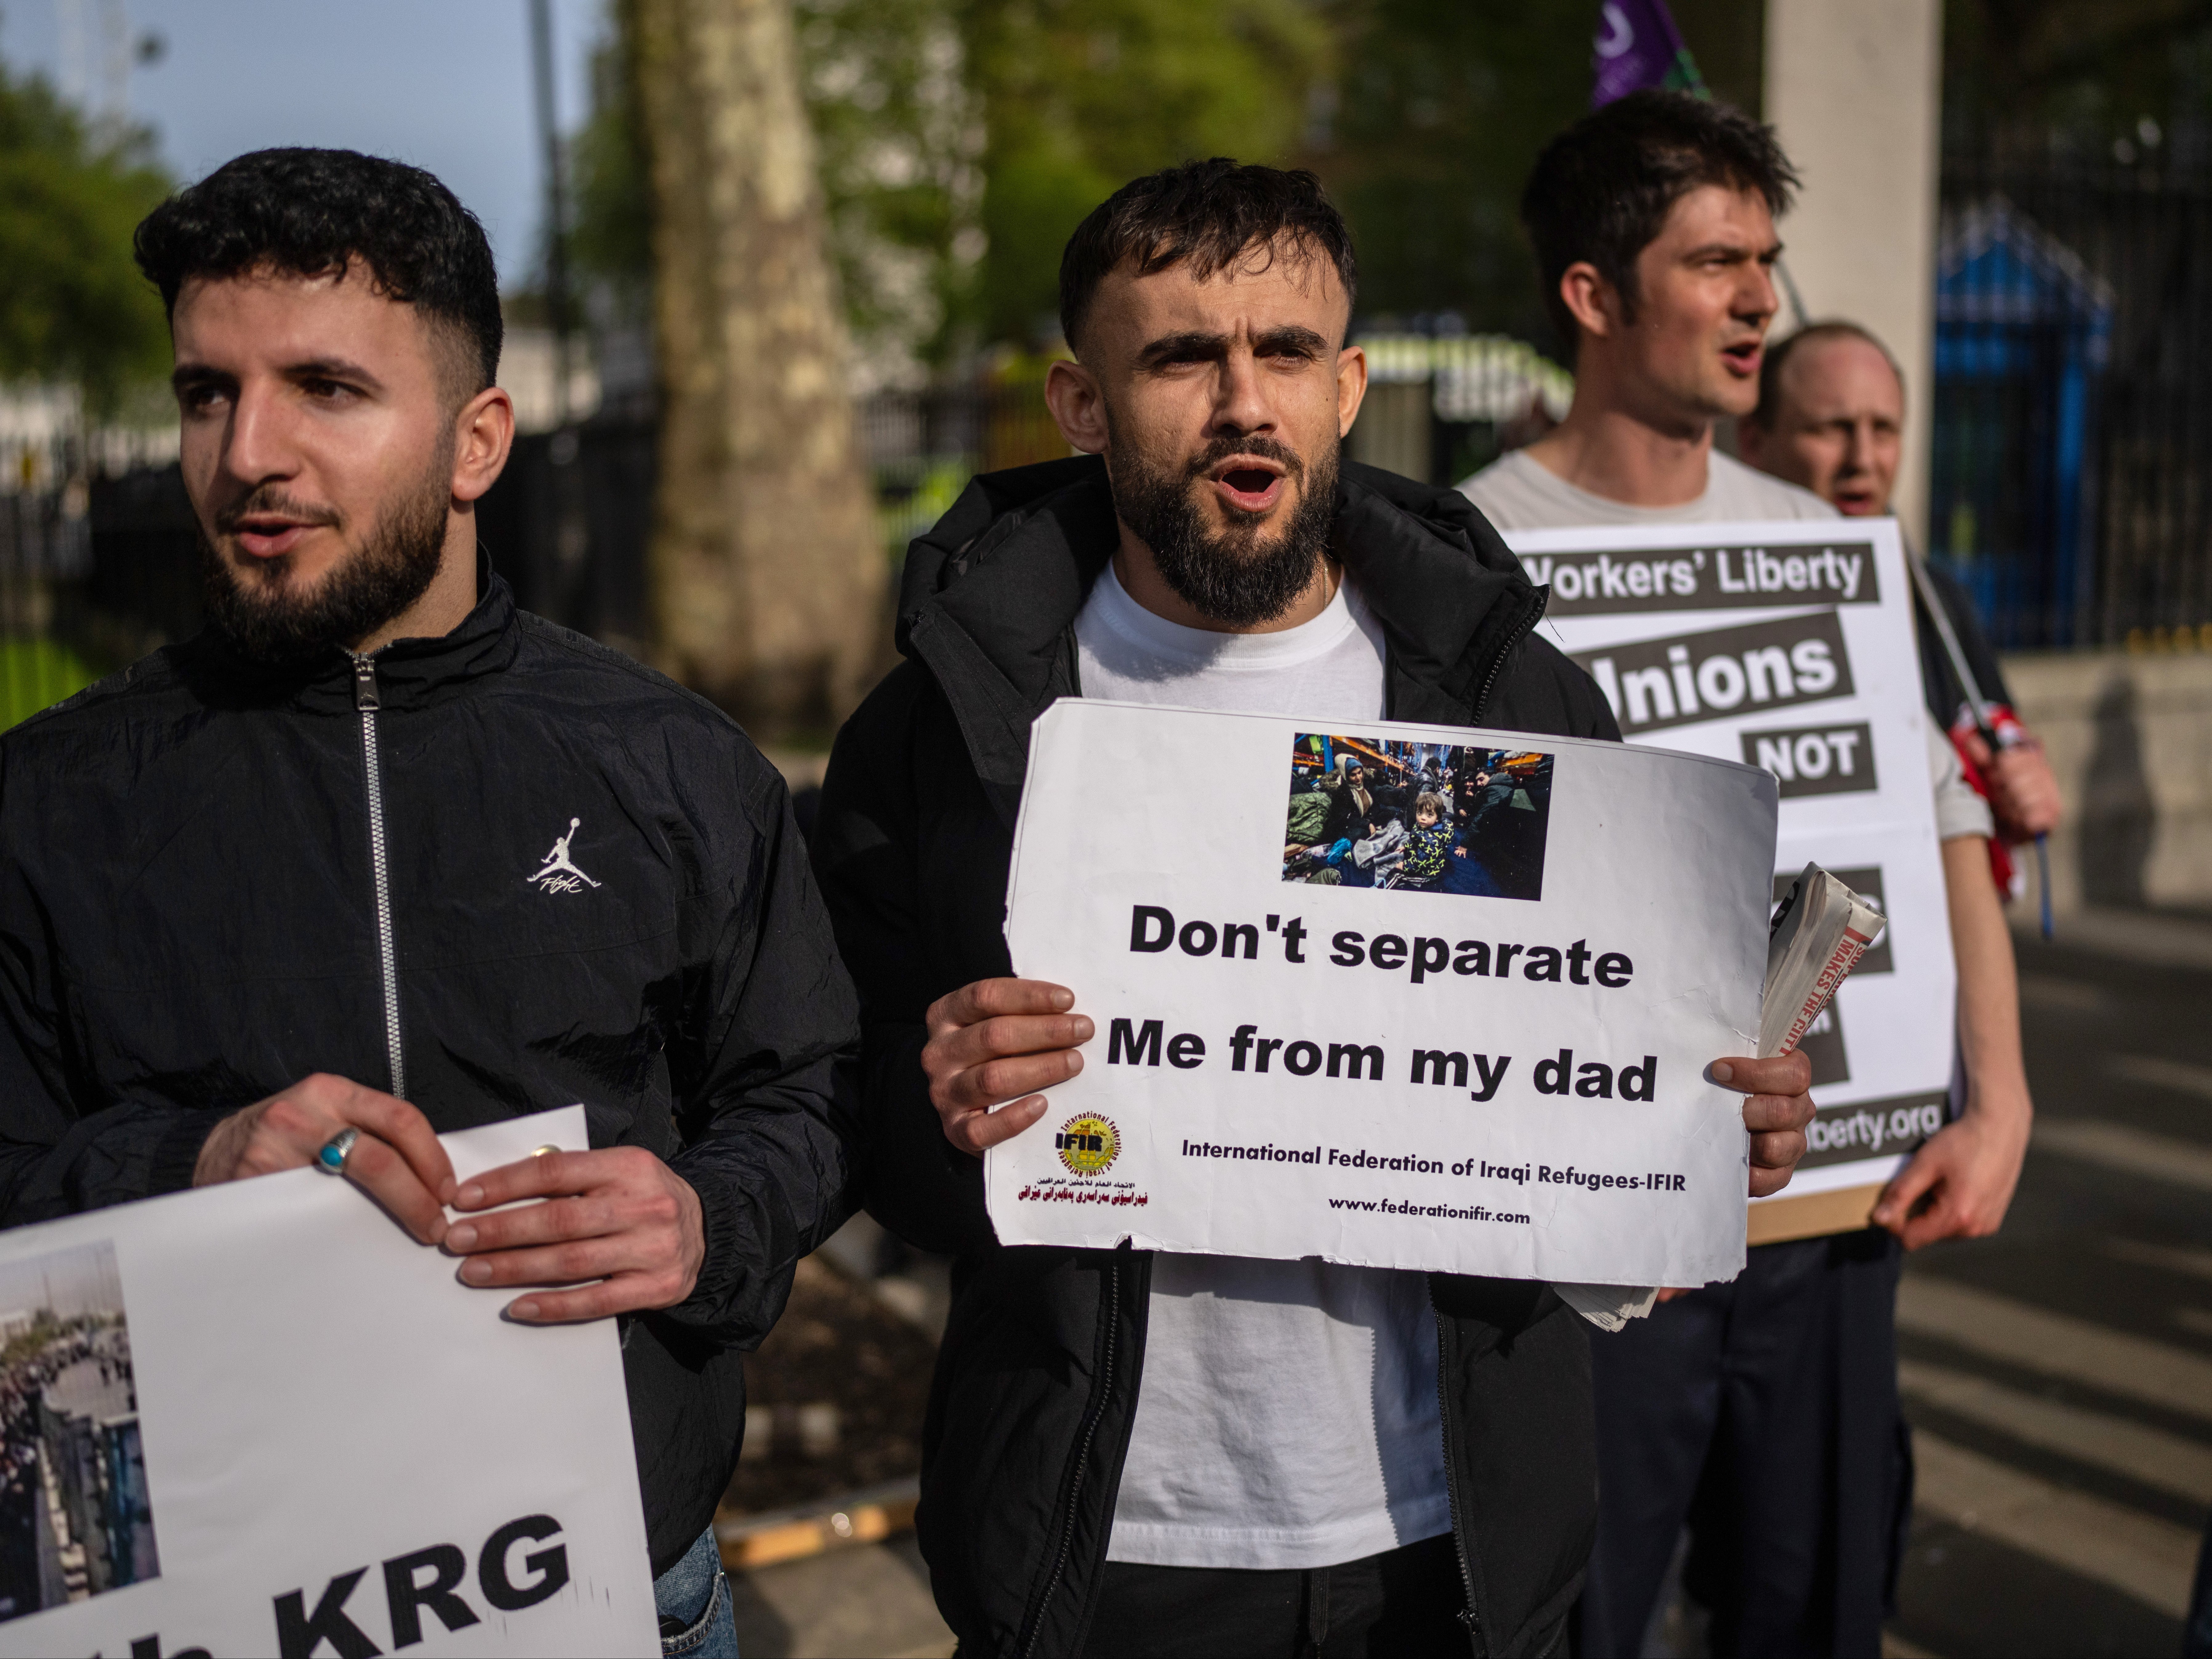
<point>377,855</point>
<point>1130,1453</point>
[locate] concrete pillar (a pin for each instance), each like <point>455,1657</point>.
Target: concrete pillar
<point>1854,90</point>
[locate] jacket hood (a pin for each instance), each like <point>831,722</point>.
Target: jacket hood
<point>990,592</point>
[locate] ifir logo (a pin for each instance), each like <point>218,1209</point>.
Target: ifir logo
<point>1088,1144</point>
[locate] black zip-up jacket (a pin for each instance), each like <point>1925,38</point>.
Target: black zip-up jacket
<point>1036,1383</point>
<point>215,880</point>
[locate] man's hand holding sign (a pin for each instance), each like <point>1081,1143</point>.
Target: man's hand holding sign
<point>619,1224</point>
<point>992,1044</point>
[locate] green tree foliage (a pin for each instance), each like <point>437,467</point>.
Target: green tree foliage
<point>611,235</point>
<point>1441,106</point>
<point>898,138</point>
<point>73,306</point>
<point>961,141</point>
<point>1080,96</point>
<point>1435,115</point>
<point>900,134</point>
<point>2130,80</point>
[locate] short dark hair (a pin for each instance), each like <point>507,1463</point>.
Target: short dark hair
<point>1602,189</point>
<point>1206,212</point>
<point>309,213</point>
<point>1769,366</point>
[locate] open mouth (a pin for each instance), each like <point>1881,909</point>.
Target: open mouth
<point>1742,358</point>
<point>264,535</point>
<point>1250,483</point>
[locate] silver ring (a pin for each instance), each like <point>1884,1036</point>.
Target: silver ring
<point>331,1158</point>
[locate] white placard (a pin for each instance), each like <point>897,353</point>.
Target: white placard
<point>1791,646</point>
<point>1500,1075</point>
<point>259,1413</point>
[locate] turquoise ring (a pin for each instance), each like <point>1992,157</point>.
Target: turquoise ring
<point>331,1158</point>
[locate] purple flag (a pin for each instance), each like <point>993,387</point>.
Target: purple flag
<point>1637,46</point>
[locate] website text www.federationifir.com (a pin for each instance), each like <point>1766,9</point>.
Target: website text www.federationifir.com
<point>1520,1174</point>
<point>1445,1211</point>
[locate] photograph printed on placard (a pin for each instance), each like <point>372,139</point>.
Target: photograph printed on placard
<point>75,1517</point>
<point>1423,818</point>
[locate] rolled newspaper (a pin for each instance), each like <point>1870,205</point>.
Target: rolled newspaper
<point>1818,935</point>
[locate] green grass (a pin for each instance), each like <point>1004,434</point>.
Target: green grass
<point>36,674</point>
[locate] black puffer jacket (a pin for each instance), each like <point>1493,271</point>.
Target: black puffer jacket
<point>1037,1384</point>
<point>191,859</point>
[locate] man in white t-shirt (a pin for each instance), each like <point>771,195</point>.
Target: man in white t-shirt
<point>1131,1453</point>
<point>1764,1413</point>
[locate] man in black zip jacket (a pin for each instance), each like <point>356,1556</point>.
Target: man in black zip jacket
<point>377,855</point>
<point>1131,1453</point>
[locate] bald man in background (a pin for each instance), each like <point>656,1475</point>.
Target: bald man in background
<point>1830,419</point>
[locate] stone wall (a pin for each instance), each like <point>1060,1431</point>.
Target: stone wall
<point>2130,736</point>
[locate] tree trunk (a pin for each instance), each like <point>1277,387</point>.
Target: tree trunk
<point>768,574</point>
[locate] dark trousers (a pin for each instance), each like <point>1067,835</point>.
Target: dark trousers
<point>2197,1635</point>
<point>1404,1601</point>
<point>1764,1414</point>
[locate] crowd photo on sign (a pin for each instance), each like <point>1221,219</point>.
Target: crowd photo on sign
<point>1423,818</point>
<point>75,1519</point>
<point>539,544</point>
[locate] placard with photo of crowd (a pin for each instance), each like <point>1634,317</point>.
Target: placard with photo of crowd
<point>1445,1002</point>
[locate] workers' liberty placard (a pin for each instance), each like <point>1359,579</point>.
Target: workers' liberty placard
<point>1389,994</point>
<point>260,1418</point>
<point>1789,645</point>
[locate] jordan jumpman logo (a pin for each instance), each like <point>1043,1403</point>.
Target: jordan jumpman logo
<point>560,874</point>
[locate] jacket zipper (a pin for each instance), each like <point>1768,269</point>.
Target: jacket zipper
<point>366,699</point>
<point>1539,601</point>
<point>1082,1453</point>
<point>1471,1616</point>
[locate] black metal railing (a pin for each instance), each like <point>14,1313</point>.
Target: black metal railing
<point>2073,441</point>
<point>2072,486</point>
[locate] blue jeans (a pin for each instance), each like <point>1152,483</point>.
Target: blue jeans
<point>693,1599</point>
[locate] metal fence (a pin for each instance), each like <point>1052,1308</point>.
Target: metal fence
<point>921,447</point>
<point>568,523</point>
<point>2072,439</point>
<point>98,559</point>
<point>2072,486</point>
<point>45,553</point>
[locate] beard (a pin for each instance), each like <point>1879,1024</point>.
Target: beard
<point>256,609</point>
<point>1236,576</point>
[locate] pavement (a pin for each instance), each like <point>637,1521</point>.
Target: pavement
<point>2058,1376</point>
<point>870,1599</point>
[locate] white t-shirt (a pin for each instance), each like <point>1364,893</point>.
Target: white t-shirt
<point>1519,492</point>
<point>1288,1415</point>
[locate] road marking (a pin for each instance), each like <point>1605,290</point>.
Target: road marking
<point>2132,1152</point>
<point>2176,1074</point>
<point>2056,1345</point>
<point>2139,1555</point>
<point>2165,1461</point>
<point>2062,996</point>
<point>2175,1259</point>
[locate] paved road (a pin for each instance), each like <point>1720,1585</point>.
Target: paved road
<point>2059,1376</point>
<point>872,1599</point>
